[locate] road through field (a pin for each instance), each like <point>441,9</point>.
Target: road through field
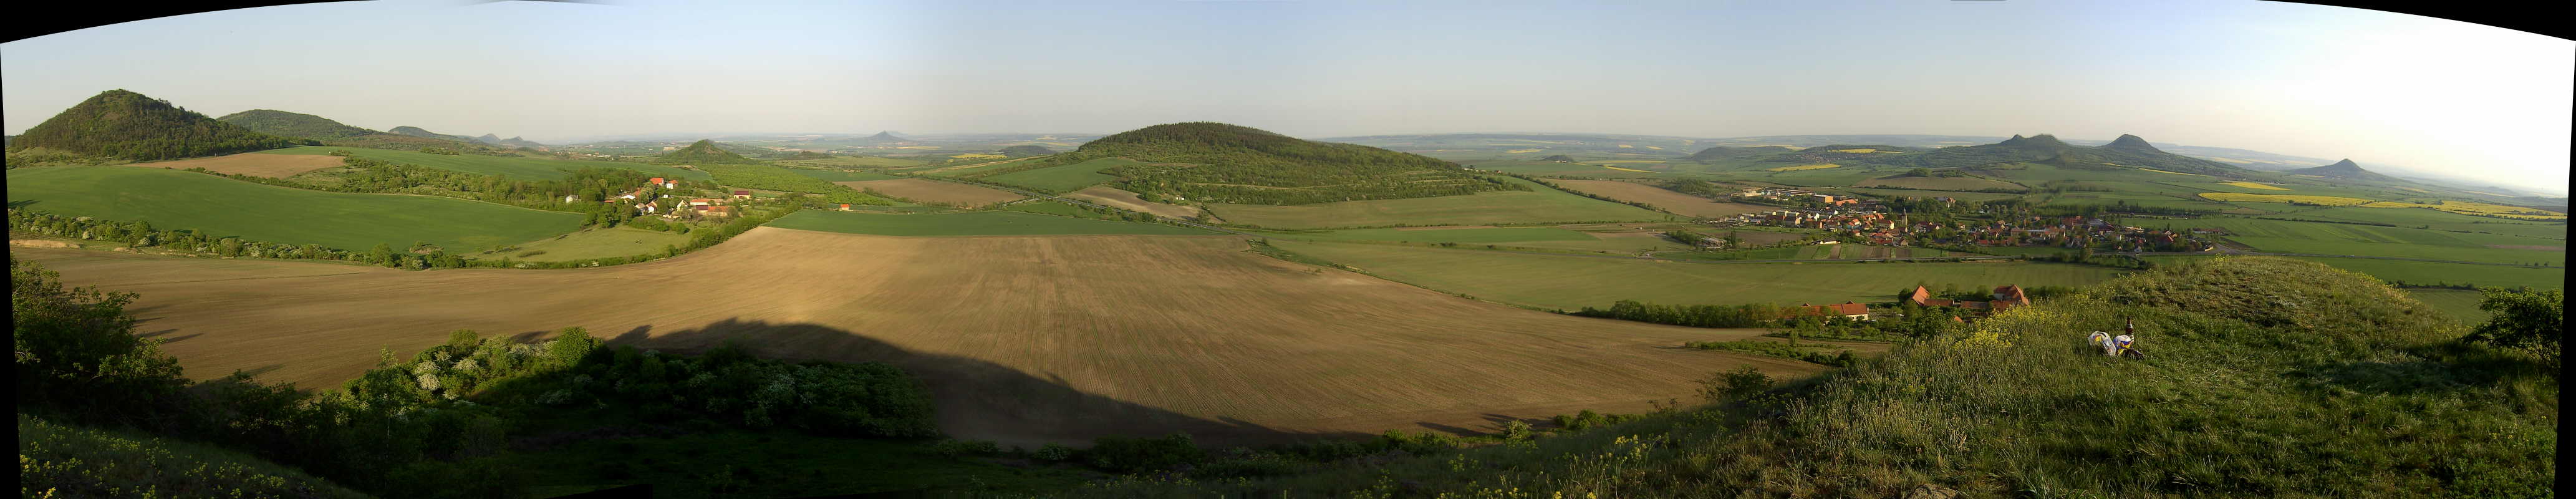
<point>1022,339</point>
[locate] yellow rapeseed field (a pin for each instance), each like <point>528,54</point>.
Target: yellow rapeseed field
<point>1523,151</point>
<point>2251,185</point>
<point>1805,167</point>
<point>1625,146</point>
<point>1863,150</point>
<point>977,156</point>
<point>918,147</point>
<point>1626,169</point>
<point>2176,173</point>
<point>1649,161</point>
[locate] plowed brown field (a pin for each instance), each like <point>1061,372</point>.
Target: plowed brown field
<point>1661,198</point>
<point>933,191</point>
<point>255,164</point>
<point>1023,340</point>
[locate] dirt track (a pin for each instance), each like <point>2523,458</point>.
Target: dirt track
<point>255,164</point>
<point>1024,340</point>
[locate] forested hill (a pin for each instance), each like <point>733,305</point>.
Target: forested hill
<point>2345,170</point>
<point>2128,151</point>
<point>704,151</point>
<point>295,125</point>
<point>128,125</point>
<point>1217,162</point>
<point>418,132</point>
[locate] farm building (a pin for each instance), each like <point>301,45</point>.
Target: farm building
<point>741,194</point>
<point>2007,296</point>
<point>1847,310</point>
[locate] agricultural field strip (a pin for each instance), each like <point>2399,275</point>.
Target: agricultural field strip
<point>1039,340</point>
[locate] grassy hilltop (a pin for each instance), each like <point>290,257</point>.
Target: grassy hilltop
<point>2267,377</point>
<point>1221,163</point>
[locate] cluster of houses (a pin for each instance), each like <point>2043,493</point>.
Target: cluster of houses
<point>2076,232</point>
<point>2065,232</point>
<point>1787,194</point>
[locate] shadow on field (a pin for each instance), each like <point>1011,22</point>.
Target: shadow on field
<point>976,399</point>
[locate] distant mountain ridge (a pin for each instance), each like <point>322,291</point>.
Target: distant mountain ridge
<point>128,125</point>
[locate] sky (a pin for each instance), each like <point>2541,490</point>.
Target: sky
<point>2388,90</point>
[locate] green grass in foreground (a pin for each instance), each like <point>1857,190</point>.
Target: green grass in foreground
<point>2353,391</point>
<point>512,166</point>
<point>778,464</point>
<point>1067,178</point>
<point>972,223</point>
<point>1540,204</point>
<point>55,460</point>
<point>1572,282</point>
<point>593,243</point>
<point>173,199</point>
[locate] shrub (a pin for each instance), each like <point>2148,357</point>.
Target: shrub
<point>1053,452</point>
<point>1142,454</point>
<point>963,448</point>
<point>1733,385</point>
<point>1517,430</point>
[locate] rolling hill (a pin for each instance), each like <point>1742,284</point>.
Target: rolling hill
<point>2344,170</point>
<point>123,124</point>
<point>294,125</point>
<point>1222,163</point>
<point>334,133</point>
<point>704,151</point>
<point>418,132</point>
<point>1024,151</point>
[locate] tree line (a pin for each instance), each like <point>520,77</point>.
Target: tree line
<point>139,234</point>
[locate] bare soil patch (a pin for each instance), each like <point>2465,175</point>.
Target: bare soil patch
<point>1660,198</point>
<point>1024,340</point>
<point>255,164</point>
<point>933,191</point>
<point>1119,198</point>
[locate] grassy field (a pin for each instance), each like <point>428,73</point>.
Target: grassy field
<point>1067,178</point>
<point>933,191</point>
<point>842,175</point>
<point>2252,185</point>
<point>855,162</point>
<point>512,166</point>
<point>2428,272</point>
<point>171,199</point>
<point>782,464</point>
<point>1469,235</point>
<point>592,243</point>
<point>2283,236</point>
<point>1538,205</point>
<point>1022,340</point>
<point>2461,304</point>
<point>1940,183</point>
<point>973,223</point>
<point>57,460</point>
<point>1803,167</point>
<point>1661,199</point>
<point>1572,282</point>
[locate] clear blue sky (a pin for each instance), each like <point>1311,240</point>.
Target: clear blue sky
<point>2329,82</point>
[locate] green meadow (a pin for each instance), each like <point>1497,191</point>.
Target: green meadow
<point>174,199</point>
<point>972,223</point>
<point>1067,178</point>
<point>1572,282</point>
<point>512,166</point>
<point>1540,204</point>
<point>841,175</point>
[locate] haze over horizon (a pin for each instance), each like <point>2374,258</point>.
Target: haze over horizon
<point>2384,89</point>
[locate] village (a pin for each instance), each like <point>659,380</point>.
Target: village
<point>1860,220</point>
